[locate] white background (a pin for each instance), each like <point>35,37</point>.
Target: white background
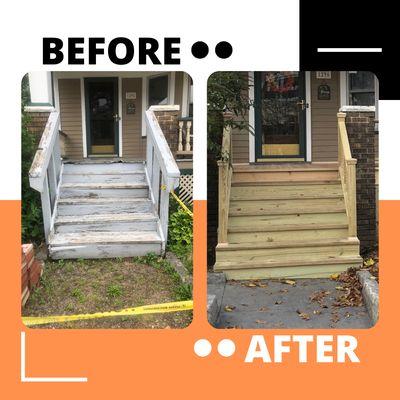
<point>264,36</point>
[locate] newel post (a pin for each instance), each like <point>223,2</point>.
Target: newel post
<point>224,181</point>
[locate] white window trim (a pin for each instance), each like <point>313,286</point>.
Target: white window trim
<point>185,95</point>
<point>145,94</point>
<point>252,118</point>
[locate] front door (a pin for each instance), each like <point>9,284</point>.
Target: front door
<point>101,95</point>
<point>280,112</point>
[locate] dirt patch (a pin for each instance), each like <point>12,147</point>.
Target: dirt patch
<point>88,286</point>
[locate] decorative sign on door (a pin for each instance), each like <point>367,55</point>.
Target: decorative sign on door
<point>323,74</point>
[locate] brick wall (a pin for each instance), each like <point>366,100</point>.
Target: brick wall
<point>37,122</point>
<point>168,121</point>
<point>361,132</point>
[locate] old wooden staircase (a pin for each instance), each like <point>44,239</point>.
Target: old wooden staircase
<point>104,208</point>
<point>287,220</point>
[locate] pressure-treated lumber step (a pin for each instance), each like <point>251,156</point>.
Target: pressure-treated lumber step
<point>106,223</point>
<point>286,205</point>
<point>309,268</point>
<point>103,244</point>
<point>277,233</point>
<point>283,251</point>
<point>111,205</point>
<point>278,182</point>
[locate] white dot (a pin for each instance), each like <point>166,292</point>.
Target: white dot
<point>226,347</point>
<point>202,347</point>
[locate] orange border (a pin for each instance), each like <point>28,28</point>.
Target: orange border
<point>161,364</point>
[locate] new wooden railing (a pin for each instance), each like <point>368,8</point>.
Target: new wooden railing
<point>224,182</point>
<point>161,169</point>
<point>347,171</point>
<point>46,169</point>
<point>185,136</point>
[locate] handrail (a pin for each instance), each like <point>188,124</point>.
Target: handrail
<point>45,171</point>
<point>225,171</point>
<point>160,161</point>
<point>347,172</point>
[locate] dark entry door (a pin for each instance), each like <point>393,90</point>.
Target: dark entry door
<point>102,115</point>
<point>280,115</point>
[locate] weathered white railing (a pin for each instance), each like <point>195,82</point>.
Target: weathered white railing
<point>162,171</point>
<point>185,142</point>
<point>224,182</point>
<point>347,171</point>
<point>45,171</point>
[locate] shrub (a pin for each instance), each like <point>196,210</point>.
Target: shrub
<point>32,225</point>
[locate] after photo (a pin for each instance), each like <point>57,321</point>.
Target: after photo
<point>107,194</point>
<point>292,199</point>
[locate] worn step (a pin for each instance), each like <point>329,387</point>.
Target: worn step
<point>112,205</point>
<point>117,178</point>
<point>102,168</point>
<point>127,222</point>
<point>98,190</point>
<point>104,244</point>
<point>257,252</point>
<point>249,234</point>
<point>284,192</point>
<point>237,207</point>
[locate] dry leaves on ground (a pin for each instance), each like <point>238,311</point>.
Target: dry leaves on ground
<point>303,315</point>
<point>319,297</point>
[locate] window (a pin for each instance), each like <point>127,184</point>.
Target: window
<point>158,90</point>
<point>361,88</point>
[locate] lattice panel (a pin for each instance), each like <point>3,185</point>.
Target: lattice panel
<point>186,189</point>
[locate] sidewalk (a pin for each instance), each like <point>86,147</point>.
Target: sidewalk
<point>301,303</point>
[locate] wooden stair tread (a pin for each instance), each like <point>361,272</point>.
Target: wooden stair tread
<point>227,265</point>
<point>287,244</point>
<point>277,167</point>
<point>86,238</point>
<point>295,227</point>
<point>287,196</point>
<point>104,186</point>
<point>314,210</point>
<point>103,218</point>
<point>286,183</point>
<point>101,200</point>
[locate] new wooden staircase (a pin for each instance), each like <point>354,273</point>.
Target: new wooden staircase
<point>104,208</point>
<point>287,220</point>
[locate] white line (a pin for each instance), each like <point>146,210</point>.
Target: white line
<point>349,50</point>
<point>24,378</point>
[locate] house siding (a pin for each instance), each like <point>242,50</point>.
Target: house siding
<point>133,143</point>
<point>324,119</point>
<point>71,116</point>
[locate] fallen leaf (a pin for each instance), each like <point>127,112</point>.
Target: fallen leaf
<point>334,277</point>
<point>340,288</point>
<point>278,302</point>
<point>317,312</point>
<point>290,282</point>
<point>259,321</point>
<point>302,315</point>
<point>251,284</point>
<point>283,290</point>
<point>369,263</point>
<point>229,308</point>
<point>263,309</point>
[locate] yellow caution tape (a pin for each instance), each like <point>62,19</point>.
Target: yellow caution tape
<point>182,204</point>
<point>149,309</point>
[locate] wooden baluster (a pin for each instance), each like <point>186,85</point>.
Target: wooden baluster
<point>188,128</point>
<point>46,208</point>
<point>155,184</point>
<point>52,181</point>
<point>351,193</point>
<point>164,207</point>
<point>57,157</point>
<point>180,136</point>
<point>149,157</point>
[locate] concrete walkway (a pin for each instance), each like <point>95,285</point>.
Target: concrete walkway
<point>273,304</point>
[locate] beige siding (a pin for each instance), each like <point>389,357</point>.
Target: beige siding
<point>71,116</point>
<point>240,145</point>
<point>324,120</point>
<point>133,144</point>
